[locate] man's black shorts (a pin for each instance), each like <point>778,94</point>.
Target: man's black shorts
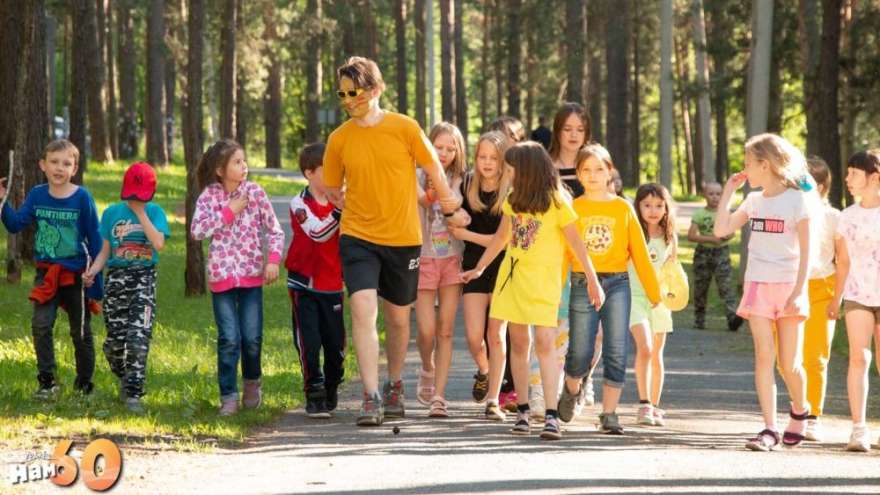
<point>392,270</point>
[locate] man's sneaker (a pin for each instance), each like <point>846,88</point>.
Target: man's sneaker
<point>229,407</point>
<point>134,405</point>
<point>610,424</point>
<point>588,391</point>
<point>494,412</point>
<point>316,404</point>
<point>372,412</point>
<point>551,429</point>
<point>392,399</point>
<point>481,387</point>
<point>46,392</point>
<point>332,397</point>
<point>566,404</point>
<point>814,430</point>
<point>646,415</point>
<point>536,401</point>
<point>659,417</point>
<point>522,426</point>
<point>734,322</point>
<point>860,440</point>
<point>252,395</point>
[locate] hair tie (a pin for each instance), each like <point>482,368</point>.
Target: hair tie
<point>805,184</point>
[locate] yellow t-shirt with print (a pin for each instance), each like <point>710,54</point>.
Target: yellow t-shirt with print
<point>378,164</point>
<point>613,236</point>
<point>529,283</point>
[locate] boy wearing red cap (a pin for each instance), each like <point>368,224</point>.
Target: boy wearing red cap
<point>134,230</point>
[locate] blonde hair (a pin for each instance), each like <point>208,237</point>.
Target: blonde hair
<point>500,142</point>
<point>785,160</point>
<point>457,167</point>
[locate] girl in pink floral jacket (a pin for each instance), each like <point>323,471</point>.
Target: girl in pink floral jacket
<point>233,213</point>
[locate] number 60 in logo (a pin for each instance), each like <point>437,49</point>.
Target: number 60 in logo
<point>68,471</point>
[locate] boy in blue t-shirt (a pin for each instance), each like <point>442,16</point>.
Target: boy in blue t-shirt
<point>134,230</point>
<point>67,236</point>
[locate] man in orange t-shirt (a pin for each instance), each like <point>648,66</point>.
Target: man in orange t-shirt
<point>375,154</point>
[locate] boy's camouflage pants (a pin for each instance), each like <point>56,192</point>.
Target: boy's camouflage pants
<point>712,262</point>
<point>129,313</point>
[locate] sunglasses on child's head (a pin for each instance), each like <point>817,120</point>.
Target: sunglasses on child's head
<point>352,93</point>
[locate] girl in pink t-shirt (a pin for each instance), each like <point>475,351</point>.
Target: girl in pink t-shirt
<point>858,283</point>
<point>774,292</point>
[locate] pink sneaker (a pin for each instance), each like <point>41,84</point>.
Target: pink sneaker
<point>229,407</point>
<point>253,394</point>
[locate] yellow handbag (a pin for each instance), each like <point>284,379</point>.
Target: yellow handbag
<point>674,288</point>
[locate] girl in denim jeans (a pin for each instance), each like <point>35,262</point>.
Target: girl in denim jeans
<point>613,237</point>
<point>233,213</point>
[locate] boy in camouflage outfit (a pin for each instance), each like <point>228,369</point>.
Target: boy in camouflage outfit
<point>133,231</point>
<point>712,259</point>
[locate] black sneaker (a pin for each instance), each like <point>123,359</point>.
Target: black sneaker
<point>481,387</point>
<point>332,397</point>
<point>85,388</point>
<point>316,403</point>
<point>47,391</point>
<point>734,322</point>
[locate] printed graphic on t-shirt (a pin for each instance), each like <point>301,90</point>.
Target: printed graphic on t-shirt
<point>57,234</point>
<point>598,234</point>
<point>129,242</point>
<point>768,225</point>
<point>525,230</point>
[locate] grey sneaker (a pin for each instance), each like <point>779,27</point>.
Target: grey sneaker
<point>522,426</point>
<point>566,404</point>
<point>372,413</point>
<point>229,407</point>
<point>134,405</point>
<point>610,424</point>
<point>392,399</point>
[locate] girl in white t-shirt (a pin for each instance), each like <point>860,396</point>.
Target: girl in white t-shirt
<point>774,292</point>
<point>858,283</point>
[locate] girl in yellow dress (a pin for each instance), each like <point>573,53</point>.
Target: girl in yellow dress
<point>537,217</point>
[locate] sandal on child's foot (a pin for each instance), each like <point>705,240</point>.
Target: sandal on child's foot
<point>438,408</point>
<point>794,434</point>
<point>551,430</point>
<point>425,387</point>
<point>766,441</point>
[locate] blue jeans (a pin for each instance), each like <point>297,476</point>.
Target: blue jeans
<point>584,325</point>
<point>239,317</point>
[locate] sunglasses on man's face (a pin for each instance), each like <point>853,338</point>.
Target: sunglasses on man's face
<point>352,93</point>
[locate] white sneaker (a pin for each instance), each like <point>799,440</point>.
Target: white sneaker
<point>814,430</point>
<point>536,402</point>
<point>646,415</point>
<point>860,440</point>
<point>659,417</point>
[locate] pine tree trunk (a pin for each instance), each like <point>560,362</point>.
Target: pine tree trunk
<point>11,44</point>
<point>704,105</point>
<point>484,67</point>
<point>758,97</point>
<point>400,52</point>
<point>128,121</point>
<point>809,19</point>
<point>775,104</point>
<point>514,57</point>
<point>635,117</point>
<point>829,70</point>
<point>681,62</point>
<point>447,63</point>
<point>461,111</point>
<point>100,145</point>
<point>227,69</point>
<point>574,50</point>
<point>112,111</point>
<point>419,22</point>
<point>617,97</point>
<point>313,74</point>
<point>242,106</point>
<point>498,56</point>
<point>666,93</point>
<point>51,42</point>
<point>272,99</point>
<point>595,47</point>
<point>78,103</point>
<point>157,151</point>
<point>193,141</point>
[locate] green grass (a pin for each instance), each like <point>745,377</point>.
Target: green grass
<point>182,393</point>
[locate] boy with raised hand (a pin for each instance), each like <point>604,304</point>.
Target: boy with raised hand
<point>67,238</point>
<point>712,259</point>
<point>134,231</point>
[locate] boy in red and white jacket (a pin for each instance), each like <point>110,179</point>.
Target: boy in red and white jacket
<point>314,281</point>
